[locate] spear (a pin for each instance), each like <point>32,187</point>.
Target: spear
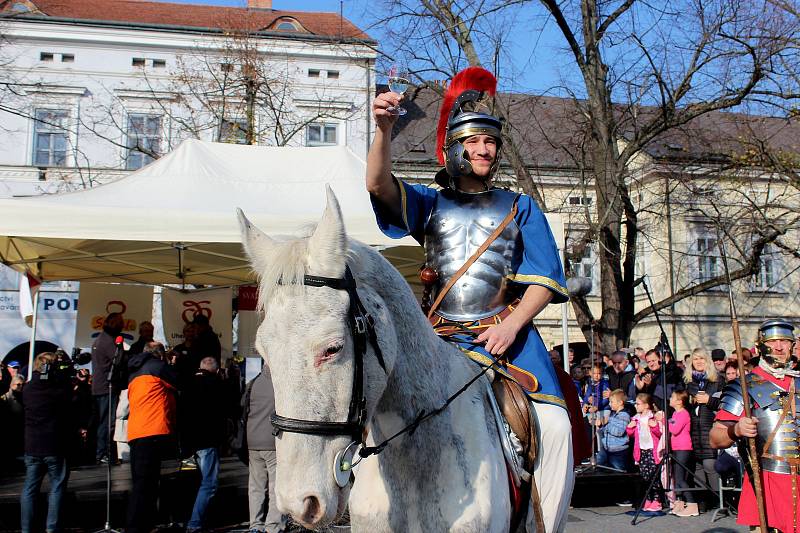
<point>751,442</point>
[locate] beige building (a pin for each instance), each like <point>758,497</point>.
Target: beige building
<point>692,191</point>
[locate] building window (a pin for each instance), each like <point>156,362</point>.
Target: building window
<point>138,62</point>
<point>313,73</point>
<point>159,63</point>
<point>580,200</point>
<point>233,131</point>
<point>287,25</point>
<point>582,264</point>
<point>46,56</point>
<point>333,74</point>
<point>50,138</point>
<point>770,270</point>
<point>319,134</point>
<point>708,261</point>
<point>67,58</point>
<point>144,140</point>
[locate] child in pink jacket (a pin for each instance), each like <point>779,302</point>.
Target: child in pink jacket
<point>680,431</point>
<point>647,431</point>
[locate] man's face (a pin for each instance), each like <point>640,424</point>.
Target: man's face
<point>653,362</point>
<point>571,355</point>
<point>720,365</point>
<point>619,364</point>
<point>13,371</point>
<point>780,349</point>
<point>481,152</point>
<point>16,386</point>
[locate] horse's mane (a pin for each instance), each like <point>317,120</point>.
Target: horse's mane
<point>287,262</point>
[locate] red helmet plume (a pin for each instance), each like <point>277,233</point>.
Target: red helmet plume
<point>476,78</point>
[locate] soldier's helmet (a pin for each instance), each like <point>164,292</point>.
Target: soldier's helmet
<point>773,329</point>
<point>464,113</point>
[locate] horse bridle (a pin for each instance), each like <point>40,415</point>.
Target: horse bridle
<point>362,331</point>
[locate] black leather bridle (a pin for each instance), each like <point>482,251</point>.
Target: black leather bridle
<point>362,330</point>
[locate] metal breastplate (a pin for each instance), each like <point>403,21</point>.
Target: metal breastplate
<point>784,449</point>
<point>458,225</point>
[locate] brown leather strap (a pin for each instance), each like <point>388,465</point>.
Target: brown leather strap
<point>474,257</point>
<point>536,500</point>
<point>789,405</point>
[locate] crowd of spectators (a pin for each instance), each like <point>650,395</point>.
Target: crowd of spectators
<point>632,399</point>
<point>177,404</point>
<point>181,404</point>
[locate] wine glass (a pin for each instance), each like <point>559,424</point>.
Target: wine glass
<point>398,83</point>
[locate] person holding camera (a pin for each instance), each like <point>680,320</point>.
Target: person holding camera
<point>46,401</point>
<point>649,380</point>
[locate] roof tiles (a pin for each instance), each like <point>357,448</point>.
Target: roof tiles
<point>196,16</point>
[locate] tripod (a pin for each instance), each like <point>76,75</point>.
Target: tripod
<point>593,467</point>
<point>111,416</point>
<point>669,460</point>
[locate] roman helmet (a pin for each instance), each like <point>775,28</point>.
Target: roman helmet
<point>776,328</point>
<point>463,115</point>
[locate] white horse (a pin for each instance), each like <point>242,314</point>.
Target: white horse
<point>450,474</point>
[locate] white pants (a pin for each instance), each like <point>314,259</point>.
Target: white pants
<point>553,473</point>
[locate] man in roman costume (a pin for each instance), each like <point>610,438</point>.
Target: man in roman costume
<point>773,390</point>
<point>513,267</point>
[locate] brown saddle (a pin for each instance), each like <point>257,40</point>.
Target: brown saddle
<point>516,408</point>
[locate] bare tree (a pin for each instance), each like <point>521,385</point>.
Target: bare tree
<point>636,72</point>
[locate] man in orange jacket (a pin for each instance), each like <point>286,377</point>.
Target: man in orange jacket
<point>151,425</point>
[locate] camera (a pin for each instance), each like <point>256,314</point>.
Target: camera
<point>64,365</point>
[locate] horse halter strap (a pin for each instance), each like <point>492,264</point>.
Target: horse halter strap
<point>362,330</point>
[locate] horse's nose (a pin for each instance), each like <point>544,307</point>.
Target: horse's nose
<point>313,510</point>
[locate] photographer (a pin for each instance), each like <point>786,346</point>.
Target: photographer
<point>649,380</point>
<point>46,402</point>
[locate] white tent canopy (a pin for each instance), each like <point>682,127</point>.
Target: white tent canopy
<point>174,220</point>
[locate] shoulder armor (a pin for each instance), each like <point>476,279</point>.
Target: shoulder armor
<point>732,400</point>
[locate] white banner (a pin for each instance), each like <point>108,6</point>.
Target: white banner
<point>178,308</point>
<point>97,300</point>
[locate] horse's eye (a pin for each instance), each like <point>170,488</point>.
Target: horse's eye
<point>333,349</point>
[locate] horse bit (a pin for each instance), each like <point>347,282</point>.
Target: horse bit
<point>362,329</point>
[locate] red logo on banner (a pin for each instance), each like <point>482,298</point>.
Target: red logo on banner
<point>114,306</point>
<point>248,297</point>
<point>195,308</point>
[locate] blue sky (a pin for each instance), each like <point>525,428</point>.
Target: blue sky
<point>531,50</point>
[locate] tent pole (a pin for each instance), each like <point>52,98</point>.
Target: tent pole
<point>34,323</point>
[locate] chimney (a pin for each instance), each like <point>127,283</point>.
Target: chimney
<point>259,4</point>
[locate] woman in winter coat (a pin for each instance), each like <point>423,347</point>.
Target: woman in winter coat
<point>704,386</point>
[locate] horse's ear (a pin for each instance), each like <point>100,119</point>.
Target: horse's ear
<point>327,246</point>
<point>255,242</point>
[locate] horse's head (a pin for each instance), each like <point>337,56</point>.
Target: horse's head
<point>306,339</point>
